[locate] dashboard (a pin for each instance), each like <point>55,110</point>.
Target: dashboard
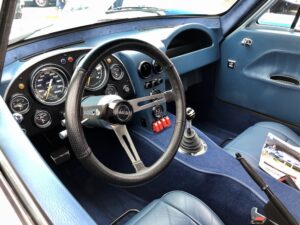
<point>37,95</point>
<point>37,84</point>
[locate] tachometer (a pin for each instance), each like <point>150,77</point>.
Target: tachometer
<point>98,78</point>
<point>19,104</point>
<point>49,85</point>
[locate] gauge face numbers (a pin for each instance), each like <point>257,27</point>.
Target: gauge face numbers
<point>111,90</point>
<point>117,72</point>
<point>42,119</point>
<point>98,78</point>
<point>19,104</point>
<point>49,85</point>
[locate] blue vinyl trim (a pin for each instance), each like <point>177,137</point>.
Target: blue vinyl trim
<point>91,35</point>
<point>249,84</point>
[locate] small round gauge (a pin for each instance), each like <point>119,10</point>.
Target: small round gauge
<point>157,67</point>
<point>19,104</point>
<point>117,72</point>
<point>111,90</point>
<point>49,85</point>
<point>98,78</point>
<point>42,119</point>
<point>145,70</point>
<point>158,111</point>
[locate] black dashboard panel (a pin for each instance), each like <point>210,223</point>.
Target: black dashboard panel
<point>40,116</point>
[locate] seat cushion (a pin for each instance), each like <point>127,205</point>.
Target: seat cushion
<point>250,142</point>
<point>176,208</point>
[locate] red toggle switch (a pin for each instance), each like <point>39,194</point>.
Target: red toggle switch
<point>168,121</point>
<point>161,127</point>
<point>164,122</point>
<point>155,127</point>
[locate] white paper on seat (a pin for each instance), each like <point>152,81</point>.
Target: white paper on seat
<point>279,158</point>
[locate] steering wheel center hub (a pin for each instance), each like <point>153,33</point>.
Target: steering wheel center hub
<point>117,112</point>
<point>121,112</point>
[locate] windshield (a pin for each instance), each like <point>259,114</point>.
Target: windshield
<point>40,17</point>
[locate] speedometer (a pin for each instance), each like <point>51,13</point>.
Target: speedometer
<point>49,85</point>
<point>98,78</point>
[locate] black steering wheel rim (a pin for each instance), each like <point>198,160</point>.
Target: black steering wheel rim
<point>76,136</point>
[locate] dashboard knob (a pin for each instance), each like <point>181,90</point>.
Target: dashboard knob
<point>126,88</point>
<point>63,134</point>
<point>148,85</point>
<point>63,123</point>
<point>18,117</point>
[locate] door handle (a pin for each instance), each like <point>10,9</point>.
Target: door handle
<point>285,79</point>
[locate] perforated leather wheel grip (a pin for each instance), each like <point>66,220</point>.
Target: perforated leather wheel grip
<point>73,112</point>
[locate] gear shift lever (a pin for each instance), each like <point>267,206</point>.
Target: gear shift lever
<point>191,143</point>
<point>190,115</point>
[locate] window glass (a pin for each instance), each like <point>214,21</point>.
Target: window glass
<point>40,17</point>
<point>281,14</point>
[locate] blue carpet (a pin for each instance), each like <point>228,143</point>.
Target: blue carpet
<point>103,202</point>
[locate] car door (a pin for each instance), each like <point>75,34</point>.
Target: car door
<point>36,194</point>
<point>260,63</point>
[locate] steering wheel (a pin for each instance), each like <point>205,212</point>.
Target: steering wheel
<point>116,112</point>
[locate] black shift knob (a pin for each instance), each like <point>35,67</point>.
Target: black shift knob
<point>190,114</point>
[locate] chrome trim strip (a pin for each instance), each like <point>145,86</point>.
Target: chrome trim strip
<point>15,182</point>
<point>15,203</point>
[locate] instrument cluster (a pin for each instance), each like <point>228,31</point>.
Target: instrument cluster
<point>37,95</point>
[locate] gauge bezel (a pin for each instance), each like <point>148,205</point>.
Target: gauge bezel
<point>122,69</point>
<point>104,82</point>
<point>102,85</point>
<point>154,68</point>
<point>65,77</point>
<point>142,75</point>
<point>114,86</point>
<point>19,96</point>
<point>48,124</point>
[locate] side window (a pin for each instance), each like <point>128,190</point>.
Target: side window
<point>282,14</point>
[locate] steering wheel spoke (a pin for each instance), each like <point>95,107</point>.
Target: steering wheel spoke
<point>127,143</point>
<point>139,104</point>
<point>114,111</point>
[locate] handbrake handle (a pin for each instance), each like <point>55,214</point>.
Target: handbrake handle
<point>290,219</point>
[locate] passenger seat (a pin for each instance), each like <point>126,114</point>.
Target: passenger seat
<point>250,142</point>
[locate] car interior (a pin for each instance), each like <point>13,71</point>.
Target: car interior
<point>150,120</point>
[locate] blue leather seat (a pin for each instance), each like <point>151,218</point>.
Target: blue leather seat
<point>176,208</point>
<point>250,142</point>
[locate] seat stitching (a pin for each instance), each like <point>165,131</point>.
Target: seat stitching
<point>149,210</point>
<point>239,136</point>
<point>194,221</point>
<point>195,198</point>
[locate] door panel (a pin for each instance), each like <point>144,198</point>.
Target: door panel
<point>266,75</point>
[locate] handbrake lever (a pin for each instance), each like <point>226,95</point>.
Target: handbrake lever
<point>286,215</point>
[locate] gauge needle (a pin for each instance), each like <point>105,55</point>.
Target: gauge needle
<point>49,89</point>
<point>88,81</point>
